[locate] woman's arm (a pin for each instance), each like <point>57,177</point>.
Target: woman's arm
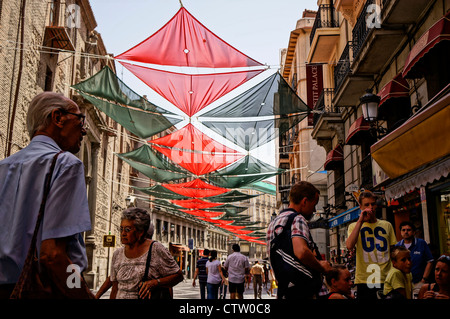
<point>115,286</point>
<point>165,282</point>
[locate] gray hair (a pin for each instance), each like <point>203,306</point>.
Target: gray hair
<point>41,106</point>
<point>139,216</point>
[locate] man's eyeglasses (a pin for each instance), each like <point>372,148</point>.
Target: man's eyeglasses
<point>80,116</point>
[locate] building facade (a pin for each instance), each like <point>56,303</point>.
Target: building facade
<point>394,50</point>
<point>49,46</point>
<point>299,154</point>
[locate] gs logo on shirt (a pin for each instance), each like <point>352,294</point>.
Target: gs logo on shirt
<point>375,244</point>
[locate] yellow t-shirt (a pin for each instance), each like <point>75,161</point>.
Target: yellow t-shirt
<point>396,280</point>
<point>373,251</point>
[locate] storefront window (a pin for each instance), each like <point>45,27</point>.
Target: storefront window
<point>443,207</point>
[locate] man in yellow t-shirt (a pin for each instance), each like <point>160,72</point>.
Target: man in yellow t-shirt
<point>373,239</point>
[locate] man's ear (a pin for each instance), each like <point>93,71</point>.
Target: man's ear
<point>57,118</point>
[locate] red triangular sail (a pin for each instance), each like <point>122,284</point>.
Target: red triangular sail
<point>195,151</point>
<point>184,41</point>
<point>190,92</point>
<point>201,213</point>
<point>196,188</point>
<point>194,203</point>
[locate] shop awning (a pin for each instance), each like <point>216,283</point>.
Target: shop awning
<point>418,178</point>
<point>176,249</point>
<point>358,132</point>
<point>344,217</point>
<point>334,158</point>
<point>397,87</point>
<point>440,31</point>
<point>422,139</point>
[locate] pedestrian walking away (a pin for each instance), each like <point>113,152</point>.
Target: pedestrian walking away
<point>257,272</point>
<point>215,275</point>
<point>55,124</point>
<point>373,239</point>
<point>200,272</point>
<point>293,255</point>
<point>237,266</point>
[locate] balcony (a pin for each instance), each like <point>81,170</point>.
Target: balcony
<point>400,12</point>
<point>373,45</point>
<point>347,85</point>
<point>324,35</point>
<point>327,120</point>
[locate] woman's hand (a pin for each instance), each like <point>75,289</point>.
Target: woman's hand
<point>428,294</point>
<point>146,287</point>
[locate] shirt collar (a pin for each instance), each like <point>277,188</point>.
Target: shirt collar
<point>46,140</point>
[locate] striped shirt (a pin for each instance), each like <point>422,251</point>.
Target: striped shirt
<point>201,266</point>
<point>299,228</point>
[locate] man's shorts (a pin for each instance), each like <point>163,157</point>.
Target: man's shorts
<point>236,288</point>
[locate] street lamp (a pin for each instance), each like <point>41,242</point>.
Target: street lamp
<point>369,103</point>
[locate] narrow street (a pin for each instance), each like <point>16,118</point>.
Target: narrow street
<point>184,290</point>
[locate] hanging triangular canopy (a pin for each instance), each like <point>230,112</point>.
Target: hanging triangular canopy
<point>195,151</point>
<point>265,111</point>
<point>190,92</point>
<point>252,133</point>
<point>233,196</point>
<point>201,213</point>
<point>272,96</point>
<point>184,41</point>
<point>152,165</point>
<point>111,96</point>
<point>242,173</point>
<point>194,203</point>
<point>229,208</point>
<point>159,191</point>
<point>196,188</point>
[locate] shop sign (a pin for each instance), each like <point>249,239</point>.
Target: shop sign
<point>378,175</point>
<point>109,241</point>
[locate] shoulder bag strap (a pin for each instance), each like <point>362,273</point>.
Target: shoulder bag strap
<point>32,252</point>
<point>147,264</point>
<point>48,179</point>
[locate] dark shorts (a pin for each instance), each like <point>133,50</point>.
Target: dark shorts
<point>236,288</point>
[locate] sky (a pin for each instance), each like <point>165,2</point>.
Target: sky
<point>258,28</point>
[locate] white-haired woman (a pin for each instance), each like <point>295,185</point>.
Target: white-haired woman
<point>129,262</point>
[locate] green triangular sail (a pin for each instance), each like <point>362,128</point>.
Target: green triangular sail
<point>233,196</point>
<point>244,172</point>
<point>272,96</point>
<point>113,97</point>
<point>253,133</point>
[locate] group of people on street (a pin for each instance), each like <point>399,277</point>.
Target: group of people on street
<point>214,276</point>
<point>144,268</point>
<point>385,268</point>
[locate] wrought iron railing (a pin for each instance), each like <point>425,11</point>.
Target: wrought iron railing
<point>366,172</point>
<point>324,104</point>
<point>361,30</point>
<point>342,68</point>
<point>327,17</point>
